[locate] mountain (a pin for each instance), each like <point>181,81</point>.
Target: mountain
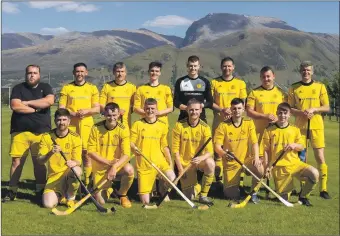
<point>22,40</point>
<point>216,25</point>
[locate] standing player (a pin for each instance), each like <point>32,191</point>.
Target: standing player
<point>234,135</point>
<point>308,99</point>
<point>149,135</point>
<point>61,184</point>
<point>30,102</point>
<point>282,136</point>
<point>224,89</point>
<point>192,86</point>
<point>109,149</point>
<point>81,99</point>
<point>188,136</point>
<point>160,92</point>
<point>119,91</point>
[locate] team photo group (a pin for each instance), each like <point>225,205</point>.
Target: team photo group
<point>263,134</point>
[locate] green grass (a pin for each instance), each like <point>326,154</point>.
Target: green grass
<point>176,217</point>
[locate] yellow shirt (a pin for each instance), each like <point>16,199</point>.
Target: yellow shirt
<point>75,97</point>
<point>162,93</point>
<point>304,96</point>
<point>224,91</point>
<point>265,102</point>
<point>150,139</point>
<point>120,94</point>
<point>187,140</point>
<point>70,145</point>
<point>236,138</point>
<point>108,143</point>
<point>276,138</point>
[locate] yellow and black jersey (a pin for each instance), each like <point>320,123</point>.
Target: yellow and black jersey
<point>151,139</point>
<point>108,143</point>
<point>120,94</point>
<point>303,96</point>
<point>70,145</point>
<point>224,91</point>
<point>236,138</point>
<point>162,93</point>
<point>265,101</point>
<point>275,139</point>
<point>187,140</point>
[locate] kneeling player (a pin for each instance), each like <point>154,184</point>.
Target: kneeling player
<point>109,148</point>
<point>234,135</point>
<point>149,135</point>
<point>283,136</point>
<point>188,136</point>
<point>61,184</point>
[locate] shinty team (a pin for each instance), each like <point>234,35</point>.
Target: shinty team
<point>103,150</point>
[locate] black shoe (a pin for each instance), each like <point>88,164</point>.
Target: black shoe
<point>10,196</point>
<point>205,200</point>
<point>325,195</point>
<point>304,201</point>
<point>243,192</point>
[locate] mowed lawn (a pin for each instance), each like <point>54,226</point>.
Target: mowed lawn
<point>22,217</point>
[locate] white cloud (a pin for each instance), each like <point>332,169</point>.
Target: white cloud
<point>64,6</point>
<point>168,21</point>
<point>10,8</point>
<point>54,31</point>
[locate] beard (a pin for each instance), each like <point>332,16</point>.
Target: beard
<point>32,84</point>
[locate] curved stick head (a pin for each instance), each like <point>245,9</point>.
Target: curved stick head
<point>202,208</point>
<point>150,206</point>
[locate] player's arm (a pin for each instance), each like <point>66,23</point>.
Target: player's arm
<point>250,108</point>
<point>132,99</point>
<point>19,107</point>
<point>177,97</point>
<point>125,147</point>
<point>254,144</point>
<point>41,103</point>
<point>208,103</point>
<point>103,98</point>
<point>266,145</point>
<point>165,146</point>
<point>134,136</point>
<point>208,150</point>
<point>137,106</point>
<point>219,140</point>
<point>45,153</point>
<point>298,142</point>
<point>76,156</point>
<point>175,145</point>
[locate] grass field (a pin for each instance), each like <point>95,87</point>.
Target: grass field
<point>23,217</point>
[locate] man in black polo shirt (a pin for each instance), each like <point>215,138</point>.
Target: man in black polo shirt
<point>192,86</point>
<point>30,102</point>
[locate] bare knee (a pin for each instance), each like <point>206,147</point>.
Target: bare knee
<point>128,169</point>
<point>77,170</point>
<point>144,198</point>
<point>313,174</point>
<point>49,201</point>
<point>209,165</point>
<point>16,162</point>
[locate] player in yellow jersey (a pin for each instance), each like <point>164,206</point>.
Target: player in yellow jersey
<point>150,136</point>
<point>119,91</point>
<point>154,89</point>
<point>234,135</point>
<point>188,136</point>
<point>81,99</point>
<point>282,136</point>
<point>61,185</point>
<point>308,99</point>
<point>224,89</point>
<point>109,149</point>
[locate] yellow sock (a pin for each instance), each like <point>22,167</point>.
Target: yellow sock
<point>74,185</point>
<point>206,184</point>
<point>88,171</point>
<point>218,169</point>
<point>242,179</point>
<point>125,184</point>
<point>323,169</point>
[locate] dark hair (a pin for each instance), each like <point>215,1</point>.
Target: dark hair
<point>227,59</point>
<point>150,101</point>
<point>193,58</point>
<point>155,64</point>
<point>118,65</point>
<point>33,65</point>
<point>266,69</point>
<point>236,101</point>
<point>284,106</point>
<point>62,112</point>
<point>79,64</point>
<point>193,101</point>
<point>111,106</point>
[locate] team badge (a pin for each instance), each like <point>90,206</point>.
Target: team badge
<point>159,92</point>
<point>230,133</point>
<point>198,134</point>
<point>67,145</point>
<point>314,91</point>
<point>199,86</point>
<point>300,91</point>
<point>243,132</point>
<point>232,87</point>
<point>275,96</point>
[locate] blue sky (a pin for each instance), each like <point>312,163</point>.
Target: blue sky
<point>172,18</point>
